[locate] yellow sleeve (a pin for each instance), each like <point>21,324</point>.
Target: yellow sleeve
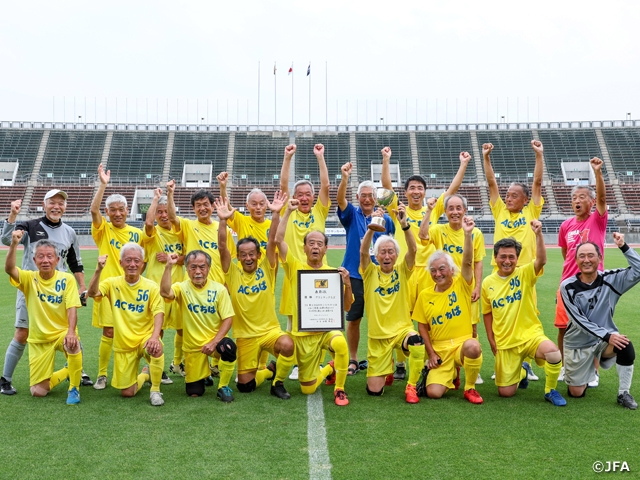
<point>105,288</point>
<point>479,251</point>
<point>486,302</point>
<point>225,308</point>
<point>438,210</point>
<point>98,233</point>
<point>155,301</point>
<point>25,278</point>
<point>418,314</point>
<point>71,295</point>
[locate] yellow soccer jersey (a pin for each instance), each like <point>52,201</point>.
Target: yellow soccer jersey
<point>47,303</point>
<point>203,310</point>
<point>253,300</point>
<point>162,241</point>
<point>387,299</point>
<point>291,267</point>
<point>302,223</point>
<point>133,308</point>
<point>451,241</point>
<point>245,226</point>
<point>448,313</point>
<point>414,219</point>
<point>109,240</point>
<point>512,302</point>
<point>518,226</point>
<point>199,236</point>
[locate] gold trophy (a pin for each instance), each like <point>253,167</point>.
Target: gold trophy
<point>384,198</point>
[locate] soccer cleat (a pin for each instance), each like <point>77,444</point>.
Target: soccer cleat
<point>6,388</point>
<point>555,398</point>
<point>401,372</point>
<point>208,382</point>
<point>561,376</point>
<point>294,373</point>
<point>215,371</point>
<point>388,381</point>
<point>594,383</point>
<point>156,399</point>
<point>331,379</point>
<point>279,391</point>
<point>225,394</point>
<point>479,380</point>
<point>626,400</point>
<point>177,369</point>
<point>530,375</point>
<point>101,383</point>
<point>524,383</point>
<point>272,368</point>
<point>410,394</point>
<point>165,379</point>
<point>456,380</point>
<point>421,386</point>
<point>85,380</point>
<point>73,396</point>
<point>473,396</point>
<point>340,397</point>
<point>493,376</point>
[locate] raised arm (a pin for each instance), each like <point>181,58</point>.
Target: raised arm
<point>536,188</point>
<point>412,247</point>
<point>289,151</point>
<point>10,262</point>
<point>601,191</point>
<point>225,212</point>
<point>171,205</point>
<point>318,151</point>
<point>149,221</point>
<point>279,201</point>
<point>96,203</point>
<point>10,225</point>
<point>465,158</point>
<point>386,173</point>
<point>541,251</point>
<point>467,269</point>
<point>423,233</point>
<point>94,284</point>
<point>282,229</point>
<point>223,178</point>
<point>365,244</point>
<point>342,188</point>
<point>165,282</point>
<point>494,192</point>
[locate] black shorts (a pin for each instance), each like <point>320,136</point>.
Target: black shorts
<point>357,308</point>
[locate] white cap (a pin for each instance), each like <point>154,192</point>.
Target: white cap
<point>53,193</point>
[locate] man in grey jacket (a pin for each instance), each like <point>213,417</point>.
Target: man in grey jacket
<point>590,298</point>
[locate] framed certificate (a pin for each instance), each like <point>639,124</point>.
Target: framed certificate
<point>320,303</point>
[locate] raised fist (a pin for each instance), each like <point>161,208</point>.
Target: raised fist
<point>318,149</point>
<point>486,149</point>
<point>468,224</point>
<point>16,236</point>
<point>618,238</point>
<point>596,164</point>
<point>222,178</point>
<point>15,206</point>
<point>537,146</point>
<point>536,226</point>
<point>386,153</point>
<point>171,186</point>
<point>289,150</point>
<point>346,169</point>
<point>465,157</point>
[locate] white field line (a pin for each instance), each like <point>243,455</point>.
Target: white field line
<point>319,462</point>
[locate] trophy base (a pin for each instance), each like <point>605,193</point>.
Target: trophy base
<point>376,227</point>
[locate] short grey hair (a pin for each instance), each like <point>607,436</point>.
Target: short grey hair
<point>45,243</point>
<point>116,198</point>
<point>592,192</point>
<point>131,246</point>
<point>163,200</point>
<point>257,190</point>
<point>368,184</point>
<point>382,239</point>
<point>437,255</point>
<point>446,200</point>
<point>304,182</point>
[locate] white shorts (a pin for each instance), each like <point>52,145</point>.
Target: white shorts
<point>579,369</point>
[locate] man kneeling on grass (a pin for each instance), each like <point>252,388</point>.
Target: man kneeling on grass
<point>207,315</point>
<point>138,315</point>
<point>511,319</point>
<point>590,298</point>
<point>445,321</point>
<point>52,301</point>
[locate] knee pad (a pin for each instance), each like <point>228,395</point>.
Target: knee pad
<point>195,388</point>
<point>414,340</point>
<point>227,350</point>
<point>553,357</point>
<point>247,387</point>
<point>375,394</point>
<point>626,355</point>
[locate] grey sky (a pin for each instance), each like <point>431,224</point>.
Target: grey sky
<point>581,59</point>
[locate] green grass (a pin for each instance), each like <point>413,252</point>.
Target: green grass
<point>259,436</point>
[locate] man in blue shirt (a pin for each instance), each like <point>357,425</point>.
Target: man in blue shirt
<point>355,221</point>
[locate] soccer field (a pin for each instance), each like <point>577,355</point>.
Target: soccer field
<point>260,436</point>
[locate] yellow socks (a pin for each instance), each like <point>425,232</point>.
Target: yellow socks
<point>156,366</point>
<point>75,369</point>
<point>226,370</point>
<point>57,377</point>
<point>552,372</point>
<point>262,362</point>
<point>104,352</point>
<point>262,375</point>
<point>471,370</point>
<point>283,367</point>
<point>177,350</point>
<point>340,360</point>
<point>416,362</point>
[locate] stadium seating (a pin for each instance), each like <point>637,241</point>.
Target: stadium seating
<point>336,154</point>
<point>21,145</point>
<point>78,203</point>
<point>368,146</point>
<point>136,155</point>
<point>512,157</point>
<point>258,157</point>
<point>567,145</point>
<point>199,148</point>
<point>623,145</point>
<point>438,154</point>
<point>8,195</point>
<point>70,154</point>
